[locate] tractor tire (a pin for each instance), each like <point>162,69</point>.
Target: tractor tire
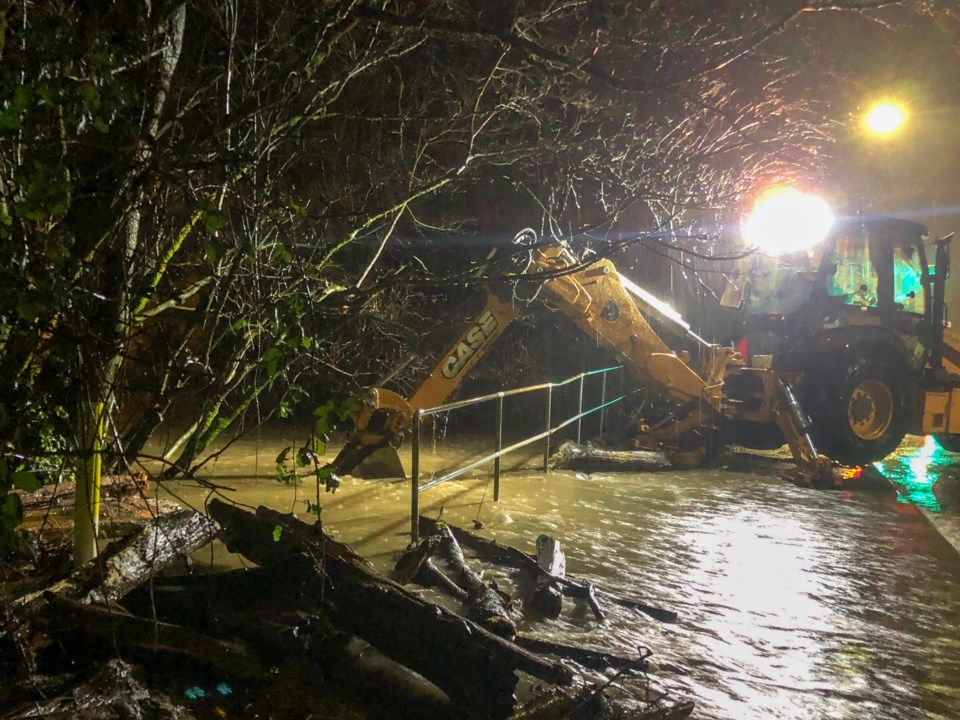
<point>950,443</point>
<point>857,406</point>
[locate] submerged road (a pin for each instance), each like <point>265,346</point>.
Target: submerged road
<point>793,603</point>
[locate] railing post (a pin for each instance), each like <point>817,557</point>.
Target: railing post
<point>546,449</point>
<point>415,480</point>
<point>580,408</point>
<point>499,440</point>
<point>603,401</point>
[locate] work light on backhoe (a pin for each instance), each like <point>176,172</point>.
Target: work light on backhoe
<point>786,220</point>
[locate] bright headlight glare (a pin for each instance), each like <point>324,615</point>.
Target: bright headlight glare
<point>786,220</point>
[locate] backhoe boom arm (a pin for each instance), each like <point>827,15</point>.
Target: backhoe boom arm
<point>612,310</point>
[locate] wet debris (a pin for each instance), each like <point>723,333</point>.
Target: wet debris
<point>312,626</point>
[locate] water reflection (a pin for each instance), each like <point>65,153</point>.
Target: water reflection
<point>794,603</point>
<point>915,473</point>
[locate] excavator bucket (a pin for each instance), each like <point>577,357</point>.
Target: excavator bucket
<point>383,462</point>
<point>370,462</point>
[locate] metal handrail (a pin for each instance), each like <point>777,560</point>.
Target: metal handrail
<point>416,488</point>
<point>510,393</point>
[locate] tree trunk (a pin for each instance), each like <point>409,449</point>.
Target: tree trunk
<point>86,509</point>
<point>125,564</point>
<point>484,604</point>
<point>586,458</point>
<point>102,374</point>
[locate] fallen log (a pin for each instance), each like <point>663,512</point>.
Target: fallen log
<point>417,565</point>
<point>431,576</point>
<point>493,550</point>
<point>680,711</point>
<point>587,458</point>
<point>484,604</point>
<point>62,496</point>
<point>125,564</point>
<point>474,667</point>
<point>98,628</point>
<point>410,563</point>
<point>593,659</point>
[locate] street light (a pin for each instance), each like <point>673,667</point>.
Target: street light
<point>885,118</point>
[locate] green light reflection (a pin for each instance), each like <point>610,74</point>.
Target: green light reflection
<point>916,473</point>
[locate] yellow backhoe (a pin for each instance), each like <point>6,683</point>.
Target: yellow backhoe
<point>612,310</point>
<point>845,359</point>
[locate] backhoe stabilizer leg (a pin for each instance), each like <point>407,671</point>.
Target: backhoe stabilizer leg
<point>812,468</point>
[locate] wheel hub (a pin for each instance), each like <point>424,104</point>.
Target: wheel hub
<point>870,410</point>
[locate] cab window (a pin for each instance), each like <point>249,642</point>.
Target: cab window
<point>853,276</point>
<point>907,286</point>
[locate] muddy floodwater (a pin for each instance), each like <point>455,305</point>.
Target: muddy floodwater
<point>793,603</point>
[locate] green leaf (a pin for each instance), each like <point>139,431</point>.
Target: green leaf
<point>306,342</point>
<point>324,415</point>
<point>319,445</point>
<point>90,95</point>
<point>282,254</point>
<point>272,359</point>
<point>346,409</point>
<point>21,98</point>
<point>46,94</point>
<point>214,221</point>
<point>27,308</point>
<point>9,119</point>
<point>56,251</point>
<point>282,457</point>
<point>11,511</point>
<point>277,532</point>
<point>328,478</point>
<point>212,252</point>
<point>46,197</point>
<point>306,456</point>
<point>26,481</point>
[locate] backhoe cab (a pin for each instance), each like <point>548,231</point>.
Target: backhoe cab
<point>863,337</point>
